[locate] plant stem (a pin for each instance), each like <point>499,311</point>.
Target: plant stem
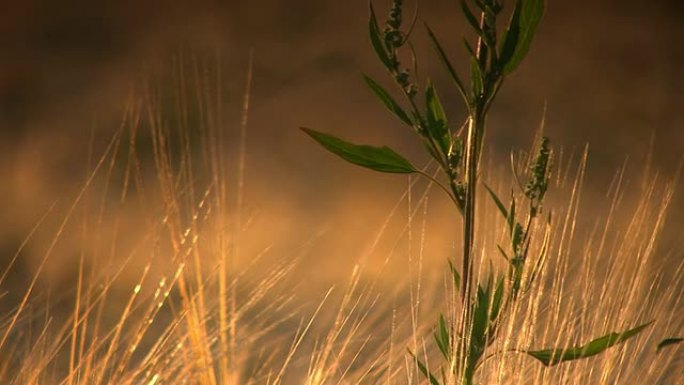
<point>441,186</point>
<point>471,156</point>
<point>474,136</point>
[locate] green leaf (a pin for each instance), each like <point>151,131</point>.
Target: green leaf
<point>479,332</point>
<point>476,78</point>
<point>472,20</point>
<point>517,238</point>
<point>497,201</point>
<point>387,100</point>
<point>455,274</point>
<point>481,5</point>
<point>481,316</point>
<point>525,19</point>
<point>503,253</point>
<point>382,159</point>
<point>442,338</point>
<point>424,370</point>
<point>434,106</point>
<point>437,124</point>
<point>669,341</point>
<point>515,274</point>
<point>470,49</point>
<point>511,36</point>
<point>377,40</point>
<point>497,299</point>
<point>450,69</point>
<point>550,357</point>
<point>511,215</point>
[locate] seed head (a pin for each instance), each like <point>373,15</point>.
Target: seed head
<point>538,183</point>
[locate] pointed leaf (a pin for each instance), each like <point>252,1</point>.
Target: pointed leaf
<point>669,341</point>
<point>503,253</point>
<point>470,49</point>
<point>442,338</point>
<point>476,78</point>
<point>437,124</point>
<point>472,20</point>
<point>480,316</point>
<point>434,106</point>
<point>497,201</point>
<point>511,36</point>
<point>382,159</point>
<point>423,369</point>
<point>481,5</point>
<point>550,357</point>
<point>511,214</point>
<point>497,299</point>
<point>377,40</point>
<point>445,61</point>
<point>456,275</point>
<point>517,239</point>
<point>387,100</point>
<point>523,24</point>
<point>479,331</point>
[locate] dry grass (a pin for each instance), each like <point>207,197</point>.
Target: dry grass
<point>202,310</point>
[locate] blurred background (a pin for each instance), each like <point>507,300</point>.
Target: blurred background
<point>608,74</point>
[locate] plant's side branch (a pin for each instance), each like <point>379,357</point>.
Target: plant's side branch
<point>440,185</point>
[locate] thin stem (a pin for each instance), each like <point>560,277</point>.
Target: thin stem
<point>473,145</point>
<point>499,352</point>
<point>441,186</point>
<point>474,138</point>
<point>469,207</point>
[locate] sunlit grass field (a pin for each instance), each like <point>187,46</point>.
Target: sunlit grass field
<point>173,281</point>
<point>178,260</point>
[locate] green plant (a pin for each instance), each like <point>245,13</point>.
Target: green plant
<point>456,149</point>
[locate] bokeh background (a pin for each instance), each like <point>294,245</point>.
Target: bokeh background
<point>609,74</point>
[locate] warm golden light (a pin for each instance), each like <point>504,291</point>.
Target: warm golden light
<point>165,221</point>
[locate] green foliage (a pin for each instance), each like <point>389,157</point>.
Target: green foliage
<point>539,181</point>
<point>382,159</point>
<point>388,101</point>
<point>526,17</point>
<point>669,342</point>
<point>447,64</point>
<point>555,356</point>
<point>464,339</point>
<point>377,41</point>
<point>485,311</point>
<point>436,123</point>
<point>424,370</point>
